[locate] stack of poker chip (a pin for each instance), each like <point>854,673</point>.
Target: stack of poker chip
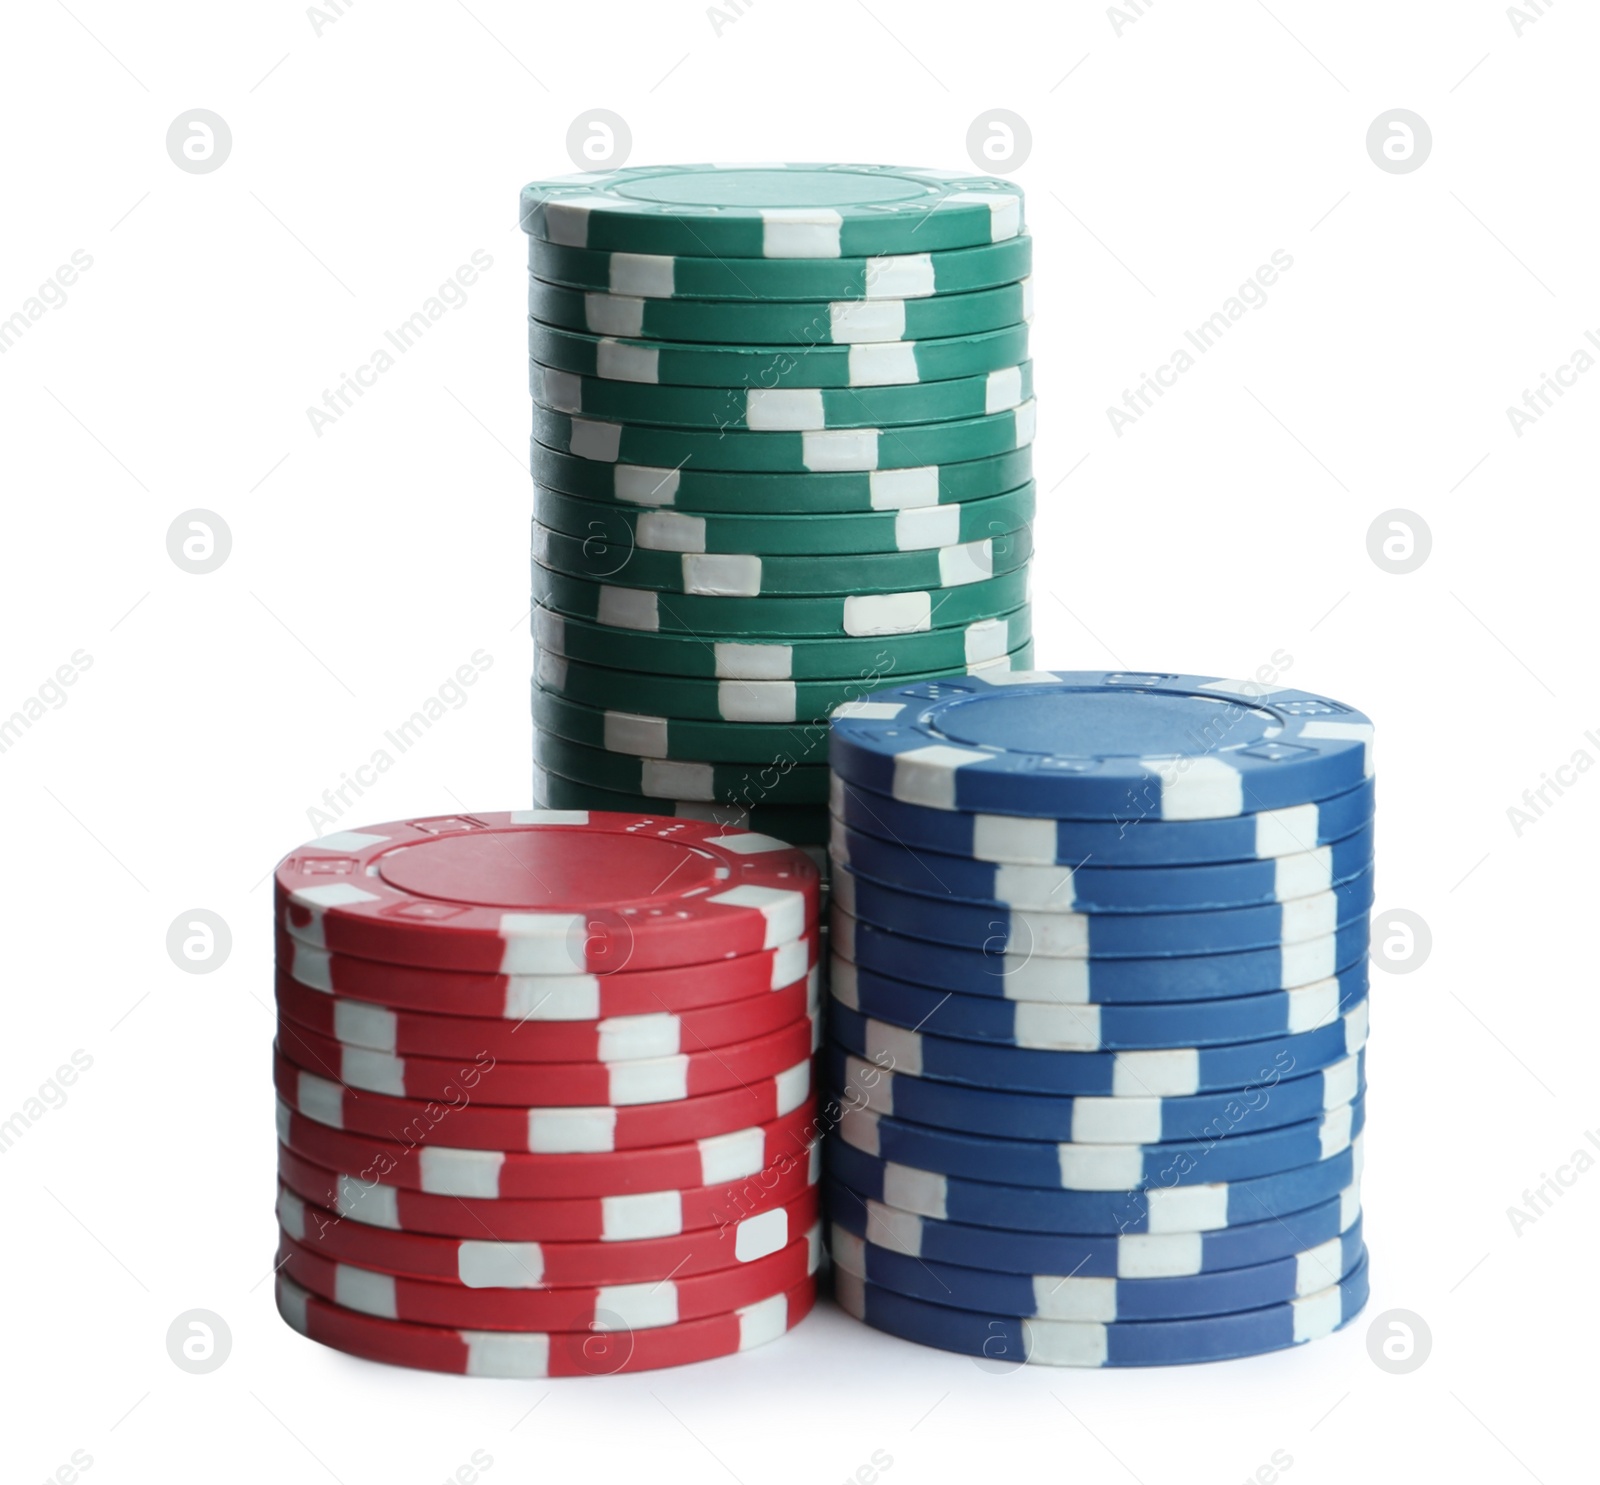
<point>1099,1004</point>
<point>781,458</point>
<point>544,1084</point>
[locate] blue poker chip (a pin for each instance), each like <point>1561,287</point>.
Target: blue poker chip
<point>1068,935</point>
<point>1079,1297</point>
<point>1237,1157</point>
<point>1103,888</point>
<point>1101,745</point>
<point>1032,841</point>
<point>1034,1209</point>
<point>1001,1338</point>
<point>1066,1027</point>
<point>1141,1256</point>
<point>993,971</point>
<point>1268,1104</point>
<point>1167,1073</point>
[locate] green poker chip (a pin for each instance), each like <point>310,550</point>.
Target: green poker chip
<point>712,658</point>
<point>782,409</point>
<point>745,575</point>
<point>799,824</point>
<point>638,735</point>
<point>919,529</point>
<point>771,211</point>
<point>694,489</point>
<point>780,322</point>
<point>579,699</point>
<point>783,779</point>
<point>895,276</point>
<point>842,616</point>
<point>874,364</point>
<point>832,450</point>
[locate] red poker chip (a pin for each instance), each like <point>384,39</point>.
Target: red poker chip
<point>547,892</point>
<point>620,1039</point>
<point>487,1080</point>
<point>484,1263</point>
<point>628,1224</point>
<point>566,997</point>
<point>636,1306</point>
<point>553,1129</point>
<point>448,1170</point>
<point>552,1354</point>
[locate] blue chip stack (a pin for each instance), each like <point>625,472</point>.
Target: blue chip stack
<point>1099,1004</point>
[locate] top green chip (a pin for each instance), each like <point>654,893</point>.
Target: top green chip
<point>772,211</point>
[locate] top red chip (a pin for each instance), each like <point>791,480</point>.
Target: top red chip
<point>547,892</point>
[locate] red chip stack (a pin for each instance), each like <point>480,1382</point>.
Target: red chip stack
<point>545,1083</point>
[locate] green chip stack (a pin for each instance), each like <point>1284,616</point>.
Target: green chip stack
<point>781,460</point>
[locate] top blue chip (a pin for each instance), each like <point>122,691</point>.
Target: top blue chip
<point>1101,745</point>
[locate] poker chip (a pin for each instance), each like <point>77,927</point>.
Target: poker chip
<point>502,1353</point>
<point>588,698</point>
<point>693,488</point>
<point>747,575</point>
<point>772,211</point>
<point>1097,1014</point>
<point>798,823</point>
<point>781,409</point>
<point>782,779</point>
<point>648,1034</point>
<point>537,892</point>
<point>484,1262</point>
<point>546,1071</point>
<point>1001,1338</point>
<point>659,657</point>
<point>613,1223</point>
<point>891,276</point>
<point>921,528</point>
<point>1139,1256</point>
<point>1102,745</point>
<point>637,1306</point>
<point>1085,1298</point>
<point>807,366</point>
<point>765,322</point>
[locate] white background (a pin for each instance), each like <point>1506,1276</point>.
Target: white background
<point>1168,162</point>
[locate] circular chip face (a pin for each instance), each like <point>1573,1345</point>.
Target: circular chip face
<point>634,1307</point>
<point>1088,1298</point>
<point>584,1353</point>
<point>693,488</point>
<point>981,642</point>
<point>1154,1209</point>
<point>1142,1258</point>
<point>1003,1339</point>
<point>1102,745</point>
<point>484,1262</point>
<point>543,892</point>
<point>788,369</point>
<point>772,211</point>
<point>775,322</point>
<point>627,1224</point>
<point>899,276</point>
